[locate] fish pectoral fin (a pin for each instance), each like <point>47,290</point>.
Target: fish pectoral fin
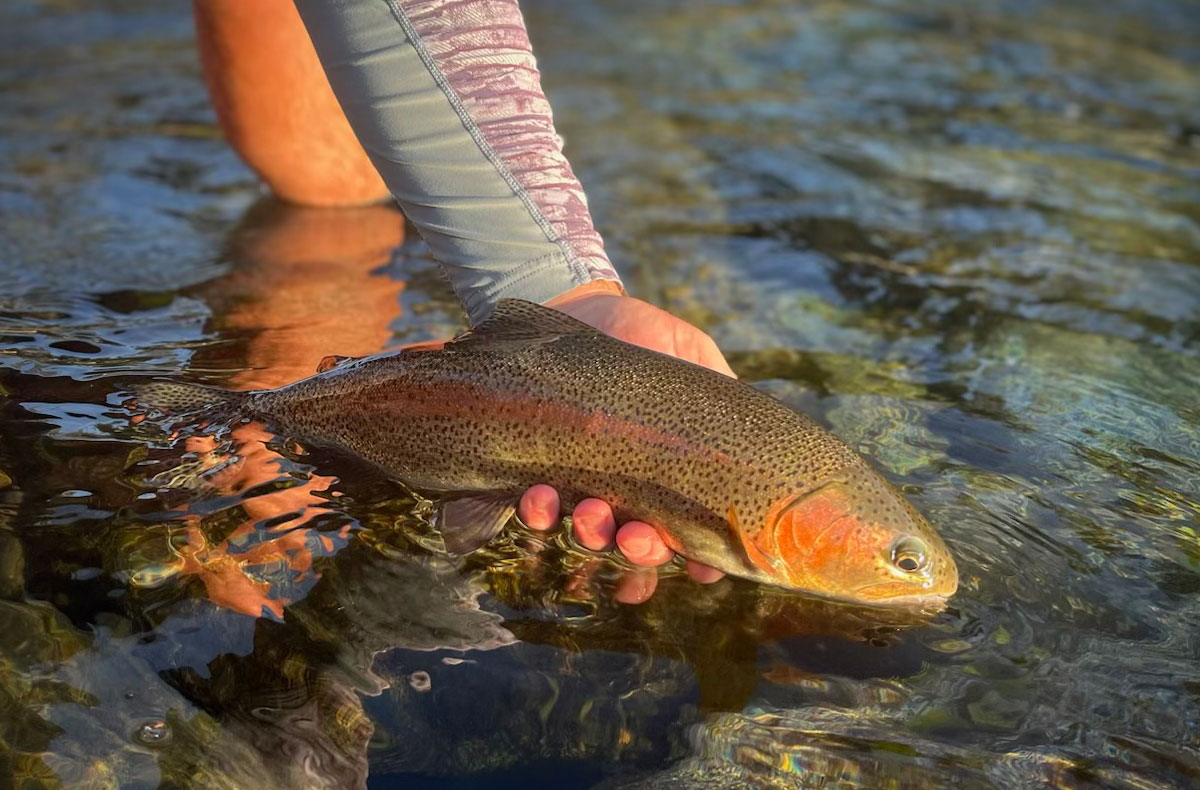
<point>754,554</point>
<point>516,322</point>
<point>332,361</point>
<point>468,522</point>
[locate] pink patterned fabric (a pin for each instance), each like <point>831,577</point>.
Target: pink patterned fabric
<point>483,51</point>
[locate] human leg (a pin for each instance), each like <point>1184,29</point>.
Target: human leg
<point>275,105</point>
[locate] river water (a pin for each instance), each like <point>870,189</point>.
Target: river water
<point>966,237</point>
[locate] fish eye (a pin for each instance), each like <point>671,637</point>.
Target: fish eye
<point>910,554</point>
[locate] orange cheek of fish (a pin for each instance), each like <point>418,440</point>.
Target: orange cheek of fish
<point>815,532</point>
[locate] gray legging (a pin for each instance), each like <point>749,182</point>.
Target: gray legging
<point>444,96</point>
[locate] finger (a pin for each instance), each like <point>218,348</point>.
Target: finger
<point>635,587</point>
<point>704,574</point>
<point>539,507</point>
<point>641,544</point>
<point>594,524</point>
<point>713,358</point>
<point>705,351</point>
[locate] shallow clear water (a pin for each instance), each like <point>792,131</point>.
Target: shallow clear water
<point>964,236</point>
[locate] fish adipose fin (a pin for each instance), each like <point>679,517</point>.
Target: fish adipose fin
<point>517,322</point>
<point>334,361</point>
<point>468,522</point>
<point>172,397</point>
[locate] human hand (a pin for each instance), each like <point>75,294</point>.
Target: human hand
<point>604,306</point>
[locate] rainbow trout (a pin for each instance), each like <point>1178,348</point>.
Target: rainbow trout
<point>726,474</point>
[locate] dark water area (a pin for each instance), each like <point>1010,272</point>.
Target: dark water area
<point>965,236</point>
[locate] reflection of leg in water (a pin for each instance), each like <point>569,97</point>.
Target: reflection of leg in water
<point>306,283</point>
<point>275,105</point>
<point>266,561</point>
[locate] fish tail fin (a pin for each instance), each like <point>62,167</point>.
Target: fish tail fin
<point>178,398</point>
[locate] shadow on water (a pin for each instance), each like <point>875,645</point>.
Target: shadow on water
<point>965,239</point>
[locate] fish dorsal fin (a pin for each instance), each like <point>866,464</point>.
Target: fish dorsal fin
<point>517,322</point>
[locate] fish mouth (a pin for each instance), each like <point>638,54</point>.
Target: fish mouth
<point>925,600</point>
